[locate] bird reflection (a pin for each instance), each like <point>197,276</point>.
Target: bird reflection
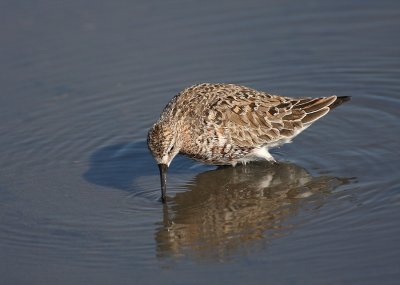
<point>234,210</point>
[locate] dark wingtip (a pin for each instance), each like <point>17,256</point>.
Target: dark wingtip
<point>339,101</point>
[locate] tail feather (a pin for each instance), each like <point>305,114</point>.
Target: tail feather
<point>311,117</point>
<point>319,107</point>
<point>339,101</point>
<point>318,104</point>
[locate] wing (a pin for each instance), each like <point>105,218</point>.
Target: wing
<point>251,119</point>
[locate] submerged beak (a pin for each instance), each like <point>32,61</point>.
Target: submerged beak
<point>163,176</point>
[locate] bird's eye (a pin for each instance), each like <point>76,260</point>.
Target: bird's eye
<point>171,149</point>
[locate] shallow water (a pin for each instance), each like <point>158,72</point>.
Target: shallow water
<point>81,83</point>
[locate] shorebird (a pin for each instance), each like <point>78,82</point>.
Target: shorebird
<point>227,124</point>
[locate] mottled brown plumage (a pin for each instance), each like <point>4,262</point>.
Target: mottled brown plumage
<point>226,124</point>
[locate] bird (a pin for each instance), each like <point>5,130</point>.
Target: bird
<point>227,124</point>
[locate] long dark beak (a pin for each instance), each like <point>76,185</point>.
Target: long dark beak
<point>163,176</point>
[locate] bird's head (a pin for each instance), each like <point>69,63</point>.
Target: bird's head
<point>164,144</point>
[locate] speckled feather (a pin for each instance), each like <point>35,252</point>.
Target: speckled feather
<point>226,124</point>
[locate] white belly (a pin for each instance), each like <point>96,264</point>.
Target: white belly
<point>257,154</point>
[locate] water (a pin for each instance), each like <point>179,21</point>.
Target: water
<point>81,83</point>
